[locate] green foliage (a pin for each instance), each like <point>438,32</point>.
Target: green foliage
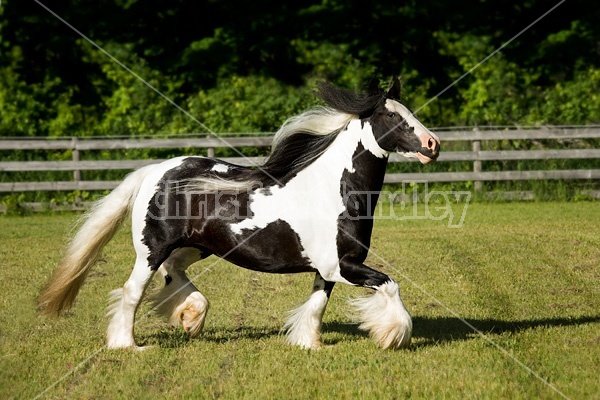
<point>492,94</point>
<point>23,106</point>
<point>130,106</point>
<point>548,76</point>
<point>248,104</point>
<point>500,92</point>
<point>334,62</point>
<point>573,102</point>
<point>246,67</point>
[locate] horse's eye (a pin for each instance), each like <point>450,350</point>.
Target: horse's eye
<point>391,115</point>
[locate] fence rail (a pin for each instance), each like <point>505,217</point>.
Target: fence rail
<point>207,146</point>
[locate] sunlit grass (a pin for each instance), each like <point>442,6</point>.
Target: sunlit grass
<point>525,275</point>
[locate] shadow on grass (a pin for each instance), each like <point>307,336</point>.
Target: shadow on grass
<point>224,335</point>
<point>344,332</point>
<point>427,331</point>
<point>437,330</point>
<point>174,337</point>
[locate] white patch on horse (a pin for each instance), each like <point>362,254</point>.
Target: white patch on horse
<point>311,201</point>
<point>368,140</point>
<point>220,168</point>
<point>147,192</point>
<point>405,113</point>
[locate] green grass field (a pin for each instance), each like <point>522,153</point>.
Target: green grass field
<point>526,276</point>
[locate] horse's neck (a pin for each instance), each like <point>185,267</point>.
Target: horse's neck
<point>361,160</point>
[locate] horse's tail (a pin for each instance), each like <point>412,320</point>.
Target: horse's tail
<point>97,228</point>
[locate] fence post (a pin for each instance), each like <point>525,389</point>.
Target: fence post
<point>477,163</point>
<point>76,172</point>
<point>210,151</point>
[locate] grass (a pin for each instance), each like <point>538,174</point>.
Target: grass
<point>525,275</point>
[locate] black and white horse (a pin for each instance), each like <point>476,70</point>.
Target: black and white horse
<point>307,209</point>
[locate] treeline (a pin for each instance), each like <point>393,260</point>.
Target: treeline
<point>241,66</point>
<point>247,66</point>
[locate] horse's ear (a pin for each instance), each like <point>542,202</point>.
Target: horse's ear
<point>373,86</point>
<point>395,90</point>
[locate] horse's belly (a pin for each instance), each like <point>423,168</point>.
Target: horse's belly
<point>275,248</point>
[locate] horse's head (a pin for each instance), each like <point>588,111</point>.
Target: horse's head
<point>397,130</point>
<point>394,127</point>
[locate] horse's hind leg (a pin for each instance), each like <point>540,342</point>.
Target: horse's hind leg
<point>125,304</point>
<point>179,300</point>
<point>304,324</point>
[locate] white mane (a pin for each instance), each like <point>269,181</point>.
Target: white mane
<point>319,121</point>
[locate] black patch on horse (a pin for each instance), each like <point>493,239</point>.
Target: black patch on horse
<point>173,208</point>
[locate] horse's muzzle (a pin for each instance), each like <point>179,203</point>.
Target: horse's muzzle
<point>430,148</point>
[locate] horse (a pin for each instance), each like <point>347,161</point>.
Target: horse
<point>308,208</point>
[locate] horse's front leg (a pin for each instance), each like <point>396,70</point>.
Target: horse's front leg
<point>382,314</point>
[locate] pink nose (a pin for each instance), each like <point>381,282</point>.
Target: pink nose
<point>431,143</point>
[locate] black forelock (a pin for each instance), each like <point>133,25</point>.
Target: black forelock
<point>347,101</point>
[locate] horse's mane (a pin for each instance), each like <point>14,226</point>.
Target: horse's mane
<point>303,138</point>
<point>342,106</point>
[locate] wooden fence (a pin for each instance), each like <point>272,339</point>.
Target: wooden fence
<point>206,146</point>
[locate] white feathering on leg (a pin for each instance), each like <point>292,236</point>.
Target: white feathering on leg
<point>384,316</point>
<point>114,301</point>
<point>116,338</point>
<point>304,323</point>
